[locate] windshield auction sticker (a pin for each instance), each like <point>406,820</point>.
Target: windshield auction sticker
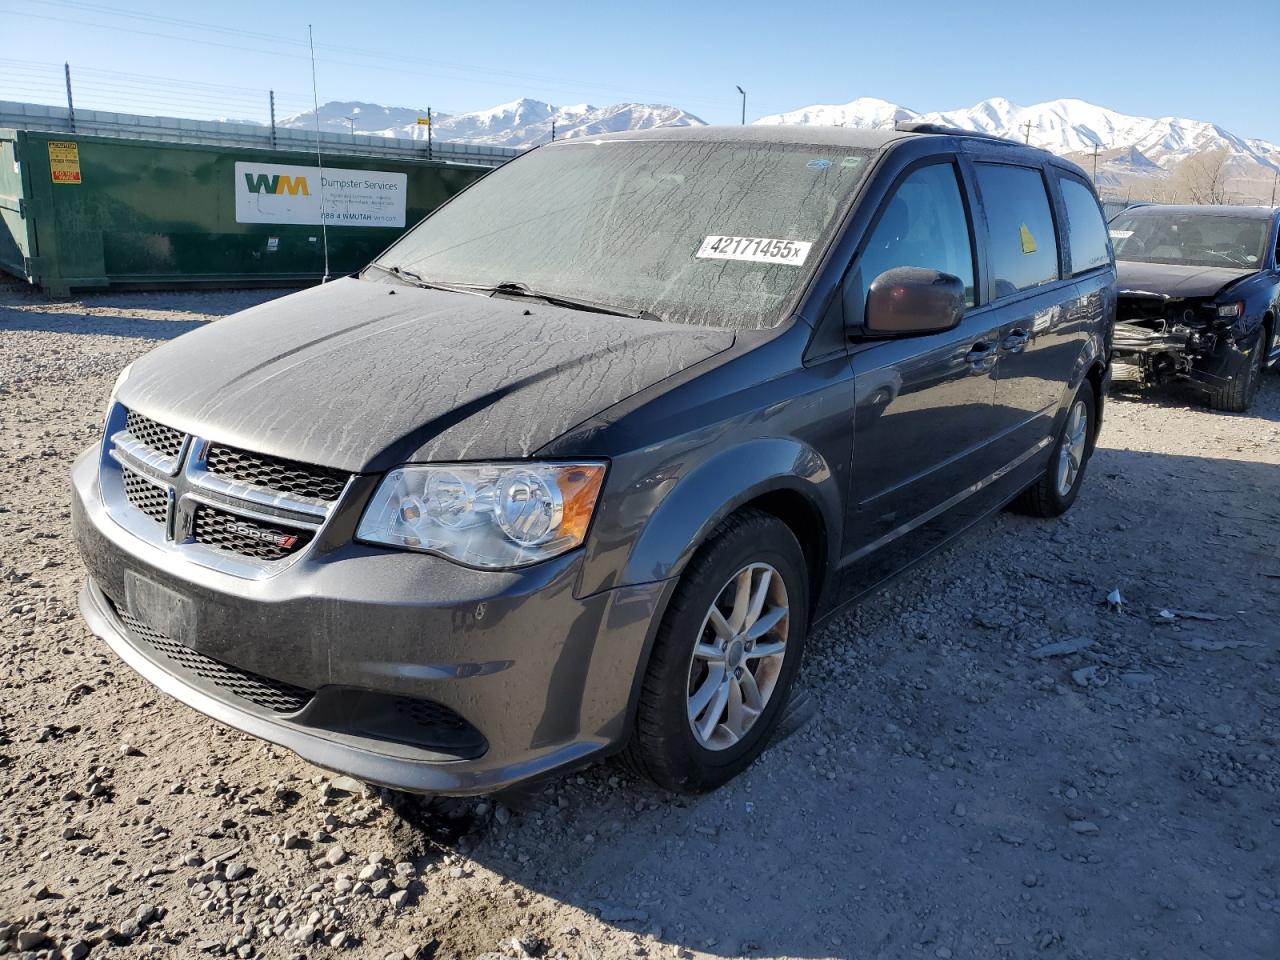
<point>754,249</point>
<point>280,193</point>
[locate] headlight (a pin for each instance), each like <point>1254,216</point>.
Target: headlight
<point>1227,310</point>
<point>495,515</point>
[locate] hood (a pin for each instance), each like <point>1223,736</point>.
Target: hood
<point>1174,280</point>
<point>362,375</point>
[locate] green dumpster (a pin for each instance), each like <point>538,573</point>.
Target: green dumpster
<point>81,212</point>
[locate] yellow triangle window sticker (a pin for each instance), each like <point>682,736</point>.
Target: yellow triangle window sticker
<point>1028,241</point>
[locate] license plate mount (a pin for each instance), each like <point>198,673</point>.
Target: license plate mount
<point>160,608</point>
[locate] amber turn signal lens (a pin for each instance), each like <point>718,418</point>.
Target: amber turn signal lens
<point>579,489</point>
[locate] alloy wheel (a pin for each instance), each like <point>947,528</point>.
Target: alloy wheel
<point>738,656</point>
<point>1071,453</point>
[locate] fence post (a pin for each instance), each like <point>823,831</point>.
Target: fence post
<point>428,133</point>
<point>71,107</point>
<point>272,95</point>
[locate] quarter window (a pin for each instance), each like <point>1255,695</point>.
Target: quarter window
<point>1086,233</point>
<point>1023,242</point>
<point>923,224</point>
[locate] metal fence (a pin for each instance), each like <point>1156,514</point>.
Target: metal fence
<point>36,116</point>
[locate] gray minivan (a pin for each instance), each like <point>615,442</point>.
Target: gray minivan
<point>576,465</point>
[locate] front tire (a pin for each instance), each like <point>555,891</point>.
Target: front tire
<point>1238,395</point>
<point>725,656</point>
<point>1056,490</point>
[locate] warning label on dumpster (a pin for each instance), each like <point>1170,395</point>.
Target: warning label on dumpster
<point>64,161</point>
<point>280,193</point>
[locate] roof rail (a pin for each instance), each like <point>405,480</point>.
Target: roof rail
<point>920,126</point>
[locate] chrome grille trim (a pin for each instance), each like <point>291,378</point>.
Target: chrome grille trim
<point>138,454</point>
<point>190,485</point>
<point>289,477</point>
<point>223,490</point>
<point>155,436</point>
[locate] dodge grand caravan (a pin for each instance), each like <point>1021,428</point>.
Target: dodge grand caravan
<point>576,465</point>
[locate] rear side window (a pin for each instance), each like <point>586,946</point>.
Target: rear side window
<point>1023,243</point>
<point>1086,233</point>
<point>922,224</point>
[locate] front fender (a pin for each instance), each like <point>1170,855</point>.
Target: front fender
<point>693,504</point>
<point>1094,351</point>
<point>1091,351</point>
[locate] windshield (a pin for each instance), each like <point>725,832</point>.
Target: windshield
<point>1192,239</point>
<point>702,232</point>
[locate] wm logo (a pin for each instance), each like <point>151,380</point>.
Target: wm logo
<point>264,183</point>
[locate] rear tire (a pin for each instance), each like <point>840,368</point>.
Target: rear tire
<point>1056,490</point>
<point>712,696</point>
<point>1238,395</point>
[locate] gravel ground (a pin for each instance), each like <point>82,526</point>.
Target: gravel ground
<point>999,763</point>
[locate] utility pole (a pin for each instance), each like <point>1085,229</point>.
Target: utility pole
<point>272,95</point>
<point>553,130</point>
<point>744,104</point>
<point>1028,126</point>
<point>71,107</point>
<point>1273,188</point>
<point>1095,165</point>
<point>428,133</point>
<point>351,122</point>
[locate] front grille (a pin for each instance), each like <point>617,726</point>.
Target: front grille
<point>157,436</point>
<point>276,473</point>
<point>249,538</point>
<point>274,695</point>
<point>267,508</point>
<point>146,496</point>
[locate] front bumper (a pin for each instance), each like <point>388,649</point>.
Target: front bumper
<point>1152,356</point>
<point>1156,356</point>
<point>544,679</point>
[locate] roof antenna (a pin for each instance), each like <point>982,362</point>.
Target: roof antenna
<point>315,99</point>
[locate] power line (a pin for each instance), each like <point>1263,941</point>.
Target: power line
<point>33,66</point>
<point>468,71</point>
<point>88,91</point>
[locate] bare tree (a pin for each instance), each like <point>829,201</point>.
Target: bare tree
<point>1202,178</point>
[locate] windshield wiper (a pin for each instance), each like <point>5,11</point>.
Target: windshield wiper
<point>408,276</point>
<point>523,290</point>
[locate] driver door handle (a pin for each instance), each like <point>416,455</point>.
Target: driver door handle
<point>1016,339</point>
<point>981,357</point>
<point>980,351</point>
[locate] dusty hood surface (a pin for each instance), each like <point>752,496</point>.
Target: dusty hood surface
<point>1174,280</point>
<point>361,375</point>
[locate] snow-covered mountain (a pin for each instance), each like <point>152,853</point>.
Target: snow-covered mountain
<point>1140,151</point>
<point>862,112</point>
<point>1128,146</point>
<point>521,123</point>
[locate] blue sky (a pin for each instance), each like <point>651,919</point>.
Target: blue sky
<point>219,59</point>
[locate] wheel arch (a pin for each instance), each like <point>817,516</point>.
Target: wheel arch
<point>780,476</point>
<point>1092,364</point>
<point>1097,376</point>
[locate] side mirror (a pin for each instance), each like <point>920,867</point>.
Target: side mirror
<point>908,300</point>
